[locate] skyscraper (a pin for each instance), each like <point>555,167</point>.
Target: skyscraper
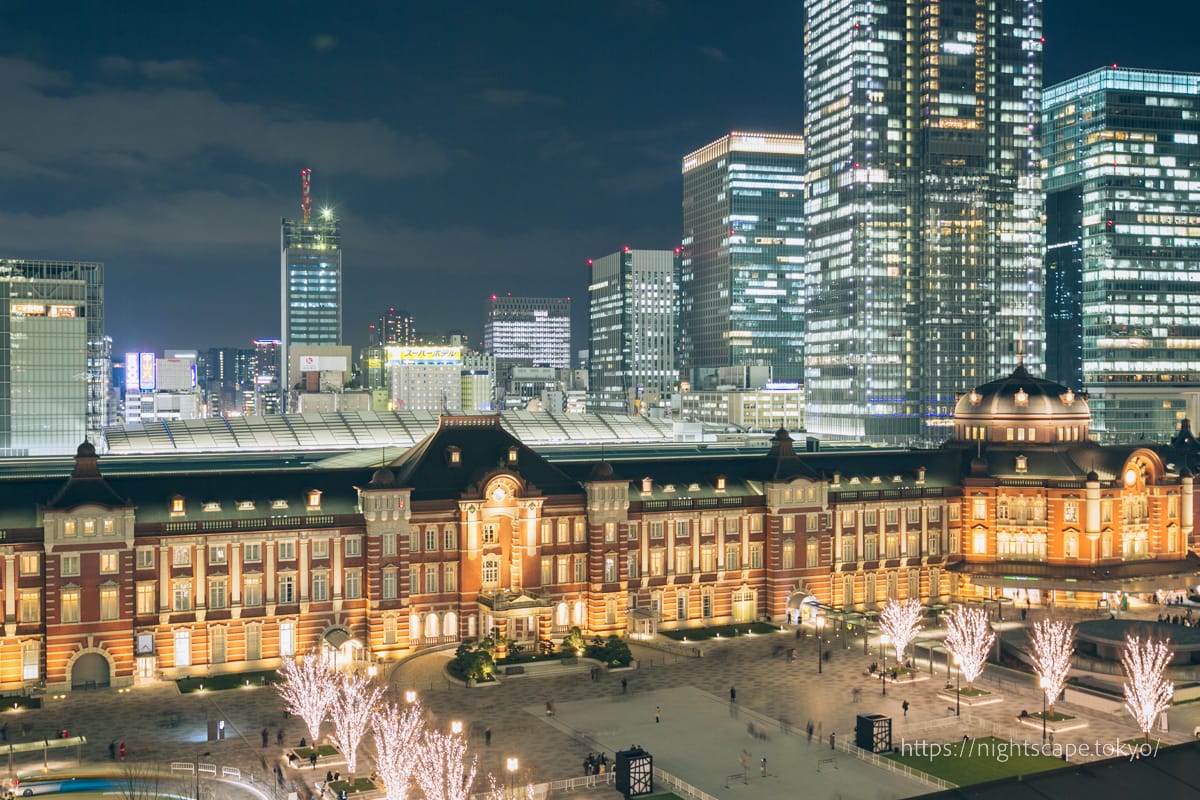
<point>529,331</point>
<point>1122,160</point>
<point>631,330</point>
<point>48,347</point>
<point>311,270</point>
<point>924,204</point>
<point>741,289</point>
<point>394,327</point>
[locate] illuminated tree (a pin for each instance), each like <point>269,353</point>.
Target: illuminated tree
<point>443,770</point>
<point>357,700</point>
<point>308,691</point>
<point>901,621</point>
<point>1051,646</point>
<point>969,637</point>
<point>397,736</point>
<point>1148,693</point>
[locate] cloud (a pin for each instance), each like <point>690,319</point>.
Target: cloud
<point>57,125</point>
<point>515,98</point>
<point>713,54</point>
<point>179,70</point>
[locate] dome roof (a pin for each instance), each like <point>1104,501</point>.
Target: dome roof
<point>383,478</point>
<point>1022,396</point>
<point>1022,408</point>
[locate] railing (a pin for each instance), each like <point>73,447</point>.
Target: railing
<point>680,787</point>
<point>845,744</point>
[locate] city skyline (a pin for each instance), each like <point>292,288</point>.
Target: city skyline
<point>197,125</point>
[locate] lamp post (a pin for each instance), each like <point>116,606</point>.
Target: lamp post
<point>513,764</point>
<point>1043,684</point>
<point>820,622</point>
<point>410,697</point>
<point>456,727</point>
<point>958,687</point>
<point>883,683</point>
<point>883,643</point>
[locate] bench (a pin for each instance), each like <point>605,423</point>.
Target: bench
<point>515,670</point>
<point>825,762</point>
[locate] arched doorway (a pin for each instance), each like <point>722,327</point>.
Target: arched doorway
<point>90,671</point>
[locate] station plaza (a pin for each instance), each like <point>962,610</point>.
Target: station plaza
<point>716,745</point>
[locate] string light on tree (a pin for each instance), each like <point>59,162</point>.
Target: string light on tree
<point>900,623</point>
<point>397,733</point>
<point>443,768</point>
<point>357,700</point>
<point>308,691</point>
<point>969,637</point>
<point>1148,693</point>
<point>1051,648</point>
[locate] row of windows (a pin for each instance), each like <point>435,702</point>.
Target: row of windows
<point>182,555</point>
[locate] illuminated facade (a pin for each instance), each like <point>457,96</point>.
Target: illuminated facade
<point>311,291</point>
<point>162,573</point>
<point>424,378</point>
<point>528,331</point>
<point>924,204</point>
<point>394,327</point>
<point>1122,156</point>
<point>45,354</point>
<point>741,283</point>
<point>631,331</point>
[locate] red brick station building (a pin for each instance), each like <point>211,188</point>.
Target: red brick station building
<point>172,571</point>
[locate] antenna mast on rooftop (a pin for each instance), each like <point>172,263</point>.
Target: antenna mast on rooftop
<point>306,202</point>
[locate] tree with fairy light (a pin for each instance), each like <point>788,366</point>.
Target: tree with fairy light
<point>308,691</point>
<point>900,623</point>
<point>1148,693</point>
<point>969,637</point>
<point>397,734</point>
<point>443,768</point>
<point>1050,650</point>
<point>357,700</point>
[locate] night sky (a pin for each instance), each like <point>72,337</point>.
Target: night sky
<point>469,148</point>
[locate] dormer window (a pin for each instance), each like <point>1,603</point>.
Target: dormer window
<point>279,505</point>
<point>453,456</point>
<point>837,479</point>
<point>876,480</point>
<point>69,527</point>
<point>720,483</point>
<point>177,505</point>
<point>974,398</point>
<point>245,505</point>
<point>670,487</point>
<point>854,480</point>
<point>1022,464</point>
<point>512,455</point>
<point>314,500</point>
<point>647,485</point>
<point>1021,397</point>
<point>211,507</point>
<point>1068,397</point>
<point>897,479</point>
<point>693,487</point>
<point>920,474</point>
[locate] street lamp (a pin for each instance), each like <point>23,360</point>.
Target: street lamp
<point>883,643</point>
<point>1044,684</point>
<point>958,686</point>
<point>456,727</point>
<point>820,622</point>
<point>883,683</point>
<point>513,765</point>
<point>410,697</point>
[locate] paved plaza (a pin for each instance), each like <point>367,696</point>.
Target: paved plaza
<point>700,738</point>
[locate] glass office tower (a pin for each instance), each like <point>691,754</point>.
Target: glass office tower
<point>312,285</point>
<point>1122,161</point>
<point>529,331</point>
<point>924,205</point>
<point>741,281</point>
<point>631,331</point>
<point>44,355</point>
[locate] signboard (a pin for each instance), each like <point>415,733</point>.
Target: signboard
<point>322,363</point>
<point>424,355</point>
<point>148,372</point>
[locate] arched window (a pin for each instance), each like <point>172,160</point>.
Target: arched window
<point>561,615</point>
<point>431,627</point>
<point>490,576</point>
<point>578,613</point>
<point>450,625</point>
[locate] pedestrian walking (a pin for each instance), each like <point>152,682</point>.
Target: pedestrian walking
<point>624,685</point>
<point>657,714</point>
<point>904,706</point>
<point>312,758</point>
<point>809,730</point>
<point>762,767</point>
<point>266,735</point>
<point>733,695</point>
<point>279,736</point>
<point>279,774</point>
<point>329,776</point>
<point>121,750</point>
<point>112,750</point>
<point>487,737</point>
